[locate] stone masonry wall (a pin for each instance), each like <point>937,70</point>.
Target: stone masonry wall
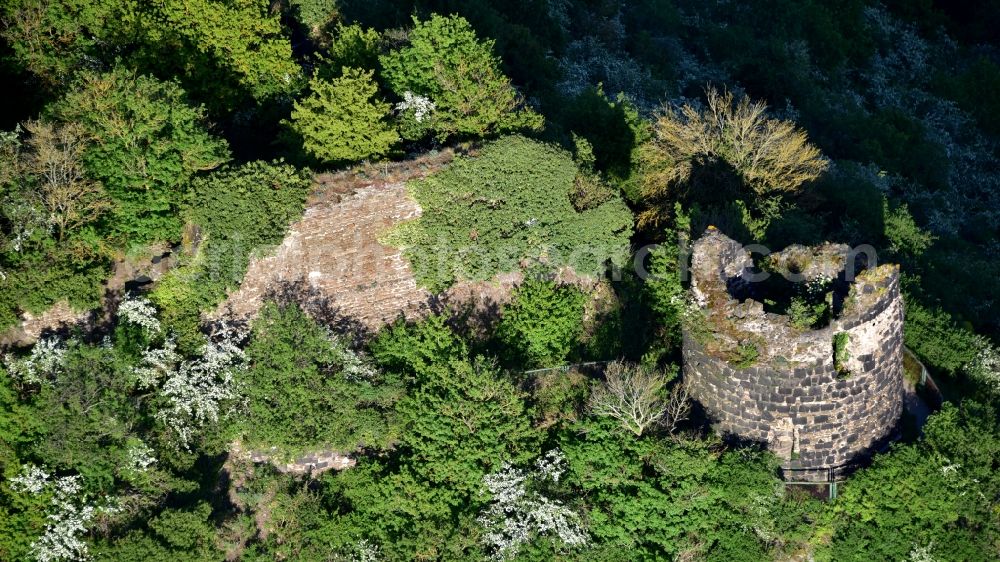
<point>811,414</point>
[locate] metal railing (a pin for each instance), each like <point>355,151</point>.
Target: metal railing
<point>565,368</point>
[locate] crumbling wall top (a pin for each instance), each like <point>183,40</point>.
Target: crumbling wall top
<point>735,324</point>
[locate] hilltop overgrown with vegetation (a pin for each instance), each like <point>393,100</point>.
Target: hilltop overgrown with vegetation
<point>586,129</point>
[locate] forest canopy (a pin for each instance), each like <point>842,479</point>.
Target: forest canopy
<point>546,154</point>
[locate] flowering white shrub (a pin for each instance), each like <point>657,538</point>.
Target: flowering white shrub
<point>198,389</point>
<point>422,106</point>
<point>68,516</point>
<point>140,312</point>
<point>41,365</point>
<point>922,553</point>
<point>519,510</point>
<point>32,480</point>
<point>986,366</point>
<point>759,515</point>
<point>139,457</point>
<point>366,552</point>
<point>355,365</point>
<point>155,364</point>
<point>551,465</point>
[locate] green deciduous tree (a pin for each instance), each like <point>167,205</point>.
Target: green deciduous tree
<point>906,238</point>
<point>935,336</point>
<point>938,494</point>
<point>667,296</point>
<point>342,120</point>
<point>242,38</point>
<point>315,14</point>
<point>446,62</point>
<point>352,47</point>
<point>462,420</point>
<point>223,50</point>
<point>175,533</point>
<point>53,39</point>
<point>146,143</point>
<point>671,499</point>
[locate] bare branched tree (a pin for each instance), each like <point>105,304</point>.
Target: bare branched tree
<point>678,408</point>
<point>771,156</point>
<point>632,394</point>
<point>55,158</point>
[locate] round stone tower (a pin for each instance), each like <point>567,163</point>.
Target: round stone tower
<point>822,396</point>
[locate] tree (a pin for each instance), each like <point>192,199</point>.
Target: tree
<point>446,62</point>
<point>462,419</point>
<point>413,349</point>
<point>664,285</point>
<point>636,396</point>
<point>50,216</point>
<point>315,14</point>
<point>887,510</point>
<point>53,39</point>
<point>47,171</point>
<point>522,509</point>
<point>223,50</point>
<point>187,533</point>
<point>352,47</point>
<point>70,199</point>
<point>693,152</point>
<point>906,238</point>
<point>145,144</point>
<point>669,498</point>
<point>222,41</point>
<point>542,323</point>
<point>341,122</point>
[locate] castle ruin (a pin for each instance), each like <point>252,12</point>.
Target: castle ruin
<point>823,391</point>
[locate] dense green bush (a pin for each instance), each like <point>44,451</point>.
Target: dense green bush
<point>972,90</point>
<point>933,335</point>
<point>488,214</point>
<point>543,323</point>
<point>412,349</point>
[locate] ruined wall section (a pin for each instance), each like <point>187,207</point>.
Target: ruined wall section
<point>812,414</point>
